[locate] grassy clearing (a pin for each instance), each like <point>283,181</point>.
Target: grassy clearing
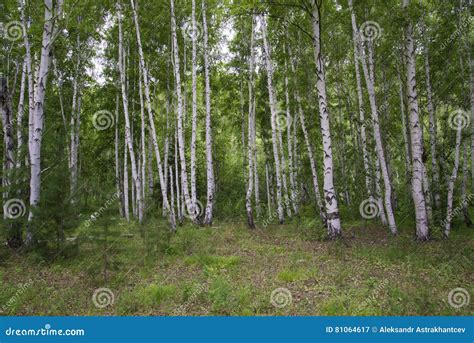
<point>229,270</point>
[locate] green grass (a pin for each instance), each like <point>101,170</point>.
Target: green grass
<point>230,270</point>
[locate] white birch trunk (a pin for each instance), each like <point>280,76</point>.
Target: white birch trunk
<point>19,118</point>
<point>142,132</point>
<point>193,101</point>
<point>251,123</point>
<point>452,180</point>
<point>117,159</point>
<point>128,137</point>
<point>179,209</point>
<point>422,230</point>
<point>309,146</point>
<point>274,125</point>
<point>207,92</point>
<point>190,206</point>
<point>368,69</point>
<point>269,198</point>
<point>37,119</point>
<point>126,202</point>
<point>151,121</point>
<point>332,209</point>
<point>404,129</point>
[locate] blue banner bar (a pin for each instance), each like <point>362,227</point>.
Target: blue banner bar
<point>237,329</point>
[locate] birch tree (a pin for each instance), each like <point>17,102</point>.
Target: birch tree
<point>37,118</point>
<point>190,205</point>
<point>422,232</point>
<point>151,122</point>
<point>251,127</point>
<point>332,209</point>
<point>273,119</point>
<point>207,94</point>
<point>128,138</point>
<point>452,180</point>
<point>368,67</point>
<point>193,101</point>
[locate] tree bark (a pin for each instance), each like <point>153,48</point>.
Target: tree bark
<point>452,180</point>
<point>251,126</point>
<point>309,146</point>
<point>422,230</point>
<point>37,120</point>
<point>151,121</point>
<point>368,69</point>
<point>273,110</point>
<point>190,205</point>
<point>207,93</point>
<point>128,137</point>
<point>193,102</point>
<point>332,209</point>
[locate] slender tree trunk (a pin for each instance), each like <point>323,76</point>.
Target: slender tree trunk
<point>309,147</point>
<point>332,209</point>
<point>368,69</point>
<point>179,209</point>
<point>151,121</point>
<point>404,130</point>
<point>452,180</point>
<point>190,206</point>
<point>126,202</point>
<point>251,126</point>
<point>172,194</point>
<point>207,94</point>
<point>128,137</point>
<point>422,231</point>
<point>117,159</point>
<point>283,166</point>
<point>274,110</point>
<point>193,102</point>
<point>37,120</point>
<point>142,134</point>
<point>19,118</point>
<point>150,166</point>
<point>378,193</point>
<point>269,198</point>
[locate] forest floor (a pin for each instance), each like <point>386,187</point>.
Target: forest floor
<point>231,270</point>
